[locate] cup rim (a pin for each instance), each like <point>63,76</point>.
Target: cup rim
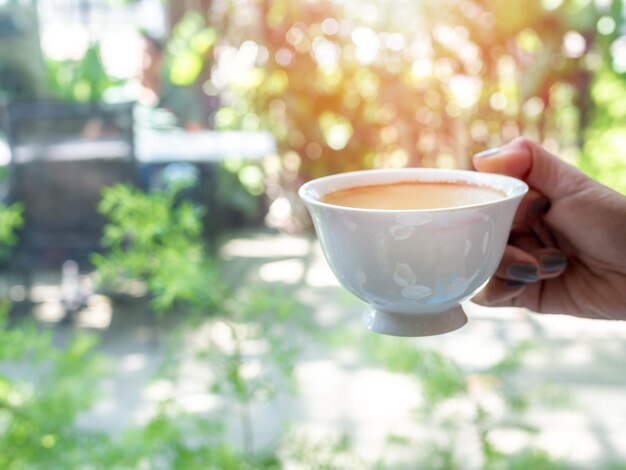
<point>519,188</point>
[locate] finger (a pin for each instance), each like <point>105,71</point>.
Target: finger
<point>542,170</point>
<point>518,265</point>
<point>532,265</point>
<point>526,240</point>
<point>552,263</point>
<point>542,234</point>
<point>532,237</point>
<point>500,293</point>
<point>533,205</point>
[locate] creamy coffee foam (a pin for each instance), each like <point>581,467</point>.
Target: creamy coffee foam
<point>411,195</point>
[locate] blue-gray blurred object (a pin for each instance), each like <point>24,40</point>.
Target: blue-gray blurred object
<point>22,71</point>
<point>62,155</point>
<point>180,175</point>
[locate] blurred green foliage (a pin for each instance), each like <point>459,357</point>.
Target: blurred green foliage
<point>157,238</point>
<point>341,88</point>
<point>354,85</point>
<point>11,220</point>
<point>325,454</point>
<point>39,411</point>
<point>248,340</point>
<point>79,80</point>
<point>188,47</point>
<point>38,408</point>
<point>360,84</point>
<point>454,401</point>
<point>604,154</point>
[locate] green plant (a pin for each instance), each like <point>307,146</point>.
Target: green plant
<point>79,80</point>
<point>158,239</point>
<point>173,439</point>
<point>38,413</point>
<point>494,400</point>
<point>188,48</point>
<point>11,219</point>
<point>38,410</point>
<point>356,85</point>
<point>604,150</point>
<point>327,454</point>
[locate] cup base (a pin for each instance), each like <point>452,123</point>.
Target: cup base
<point>402,324</point>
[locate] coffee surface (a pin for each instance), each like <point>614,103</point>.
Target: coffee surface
<point>411,195</point>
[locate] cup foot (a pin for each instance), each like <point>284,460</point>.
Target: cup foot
<point>401,324</point>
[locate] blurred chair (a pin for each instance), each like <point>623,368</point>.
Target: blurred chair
<point>62,156</point>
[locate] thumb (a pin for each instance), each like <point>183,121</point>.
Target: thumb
<point>542,170</point>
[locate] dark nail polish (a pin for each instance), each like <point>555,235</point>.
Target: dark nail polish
<point>553,262</point>
<point>524,272</point>
<point>509,284</point>
<point>487,153</point>
<point>539,207</point>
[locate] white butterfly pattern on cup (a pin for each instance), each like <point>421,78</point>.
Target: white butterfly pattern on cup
<point>405,277</point>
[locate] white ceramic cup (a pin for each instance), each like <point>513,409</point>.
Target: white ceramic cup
<point>413,267</point>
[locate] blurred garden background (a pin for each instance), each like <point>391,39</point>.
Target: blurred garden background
<point>163,300</point>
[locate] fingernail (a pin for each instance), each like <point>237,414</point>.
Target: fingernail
<point>509,284</point>
<point>524,272</point>
<point>553,262</point>
<point>539,207</point>
<point>488,153</point>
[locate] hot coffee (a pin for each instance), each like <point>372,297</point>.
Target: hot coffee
<point>412,195</point>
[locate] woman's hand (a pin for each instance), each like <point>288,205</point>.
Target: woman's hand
<point>567,249</point>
